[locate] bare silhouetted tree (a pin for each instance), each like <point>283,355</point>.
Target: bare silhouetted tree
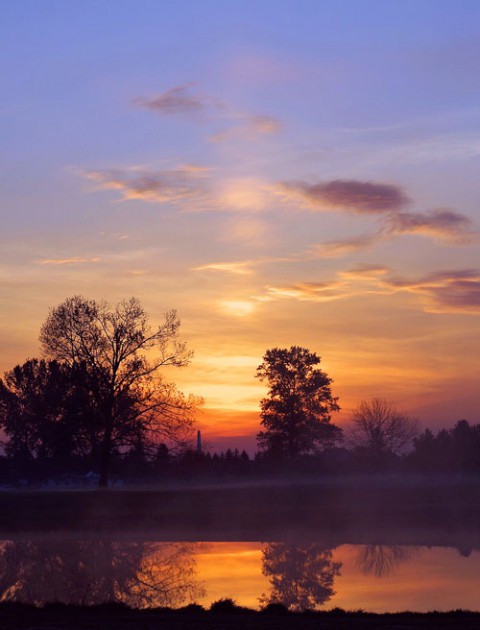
<point>121,356</point>
<point>380,429</point>
<point>93,572</point>
<point>383,560</point>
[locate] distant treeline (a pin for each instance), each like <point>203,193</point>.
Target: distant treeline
<point>449,451</point>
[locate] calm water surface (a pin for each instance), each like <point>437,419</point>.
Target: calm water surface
<point>300,575</point>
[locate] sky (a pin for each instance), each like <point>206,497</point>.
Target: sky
<point>281,173</point>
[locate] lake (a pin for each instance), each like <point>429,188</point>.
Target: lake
<point>297,572</point>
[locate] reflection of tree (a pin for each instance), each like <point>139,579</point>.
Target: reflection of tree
<point>383,560</point>
<point>302,576</point>
<point>93,572</point>
<point>166,577</point>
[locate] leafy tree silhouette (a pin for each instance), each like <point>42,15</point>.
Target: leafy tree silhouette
<point>296,413</point>
<point>302,576</point>
<point>46,414</point>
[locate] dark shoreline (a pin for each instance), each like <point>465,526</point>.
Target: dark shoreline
<point>15,616</point>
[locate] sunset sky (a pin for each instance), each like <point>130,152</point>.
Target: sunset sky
<point>280,172</point>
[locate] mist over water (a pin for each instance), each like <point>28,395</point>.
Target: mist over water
<point>378,544</point>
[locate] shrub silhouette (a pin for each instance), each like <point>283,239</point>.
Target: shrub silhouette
<point>225,605</point>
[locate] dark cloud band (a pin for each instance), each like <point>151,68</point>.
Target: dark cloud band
<point>368,197</point>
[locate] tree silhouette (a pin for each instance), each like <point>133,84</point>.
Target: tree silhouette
<point>450,450</point>
<point>380,430</point>
<point>302,576</point>
<point>297,412</point>
<point>383,560</point>
<point>45,412</point>
<point>99,571</point>
<point>112,344</point>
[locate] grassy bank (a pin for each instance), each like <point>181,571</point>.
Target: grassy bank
<point>19,617</point>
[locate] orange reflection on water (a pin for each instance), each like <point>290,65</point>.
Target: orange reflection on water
<point>232,569</point>
<point>433,578</point>
<point>377,578</point>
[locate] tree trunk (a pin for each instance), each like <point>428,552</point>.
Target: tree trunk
<point>105,456</point>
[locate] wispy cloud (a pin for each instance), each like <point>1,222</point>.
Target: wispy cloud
<point>344,247</point>
<point>455,291</point>
<point>243,267</point>
<point>307,291</point>
<point>185,183</point>
<point>75,260</point>
<point>179,100</point>
<point>191,187</point>
<point>346,194</point>
<point>249,126</point>
<point>184,100</point>
<point>197,188</point>
<point>237,268</point>
<point>442,224</point>
<point>374,199</point>
<point>444,291</point>
<point>363,272</point>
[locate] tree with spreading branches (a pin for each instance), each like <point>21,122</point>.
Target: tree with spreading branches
<point>120,357</point>
<point>380,430</point>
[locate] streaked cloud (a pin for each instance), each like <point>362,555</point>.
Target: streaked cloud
<point>444,291</point>
<point>75,260</point>
<point>247,266</point>
<point>364,272</point>
<point>307,291</point>
<point>185,183</point>
<point>344,247</point>
<point>441,292</point>
<point>249,127</point>
<point>348,194</point>
<point>194,188</point>
<point>184,100</point>
<point>442,224</point>
<point>178,100</point>
<point>240,268</point>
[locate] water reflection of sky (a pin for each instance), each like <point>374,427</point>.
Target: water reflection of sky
<point>377,578</point>
<point>413,578</point>
<point>433,578</point>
